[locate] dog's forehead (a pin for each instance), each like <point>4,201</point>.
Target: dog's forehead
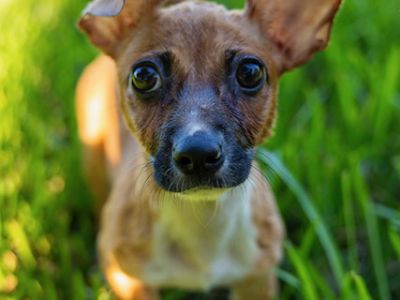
<point>198,34</point>
<point>204,26</point>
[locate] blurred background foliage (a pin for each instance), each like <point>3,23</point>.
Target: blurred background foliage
<point>334,161</point>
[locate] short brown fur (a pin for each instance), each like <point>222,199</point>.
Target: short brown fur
<point>199,38</point>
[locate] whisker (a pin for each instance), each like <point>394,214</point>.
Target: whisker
<point>214,213</point>
<point>260,175</point>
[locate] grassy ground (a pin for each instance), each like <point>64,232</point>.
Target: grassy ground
<point>334,161</point>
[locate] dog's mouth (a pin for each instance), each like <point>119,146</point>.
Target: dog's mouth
<point>192,185</point>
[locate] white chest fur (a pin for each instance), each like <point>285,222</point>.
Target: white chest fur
<point>200,244</point>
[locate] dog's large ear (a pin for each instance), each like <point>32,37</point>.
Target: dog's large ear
<point>106,22</point>
<point>295,28</point>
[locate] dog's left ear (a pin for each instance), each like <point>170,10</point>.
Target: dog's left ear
<point>296,29</point>
<point>107,22</point>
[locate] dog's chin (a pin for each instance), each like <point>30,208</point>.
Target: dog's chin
<point>186,186</point>
<point>199,188</point>
<point>201,194</point>
<point>194,187</point>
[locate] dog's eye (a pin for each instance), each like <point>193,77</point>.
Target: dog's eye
<point>251,75</point>
<point>146,78</point>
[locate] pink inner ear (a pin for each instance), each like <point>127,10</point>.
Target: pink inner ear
<point>104,8</point>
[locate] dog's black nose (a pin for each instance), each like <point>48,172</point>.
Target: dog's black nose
<point>199,154</point>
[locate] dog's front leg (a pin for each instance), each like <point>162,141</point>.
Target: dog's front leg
<point>129,288</point>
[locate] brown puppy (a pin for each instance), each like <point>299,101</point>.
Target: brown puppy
<point>196,86</point>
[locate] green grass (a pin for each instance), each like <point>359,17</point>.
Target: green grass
<point>334,161</point>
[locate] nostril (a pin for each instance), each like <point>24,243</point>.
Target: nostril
<point>214,158</point>
<point>184,162</point>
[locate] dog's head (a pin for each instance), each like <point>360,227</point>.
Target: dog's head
<point>199,82</point>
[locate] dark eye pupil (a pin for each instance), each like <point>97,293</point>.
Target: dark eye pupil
<point>250,75</point>
<point>145,78</point>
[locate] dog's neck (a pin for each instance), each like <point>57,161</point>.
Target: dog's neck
<point>201,210</point>
<point>205,235</point>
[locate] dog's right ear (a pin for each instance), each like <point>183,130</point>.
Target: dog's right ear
<point>106,22</point>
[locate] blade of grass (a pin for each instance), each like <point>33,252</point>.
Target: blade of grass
<point>373,234</point>
<point>288,278</point>
<point>395,240</point>
<point>349,219</point>
<point>390,214</point>
<point>386,94</point>
<point>320,281</point>
<point>78,285</point>
<point>308,241</point>
<point>309,209</point>
<point>307,286</point>
<point>361,287</point>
